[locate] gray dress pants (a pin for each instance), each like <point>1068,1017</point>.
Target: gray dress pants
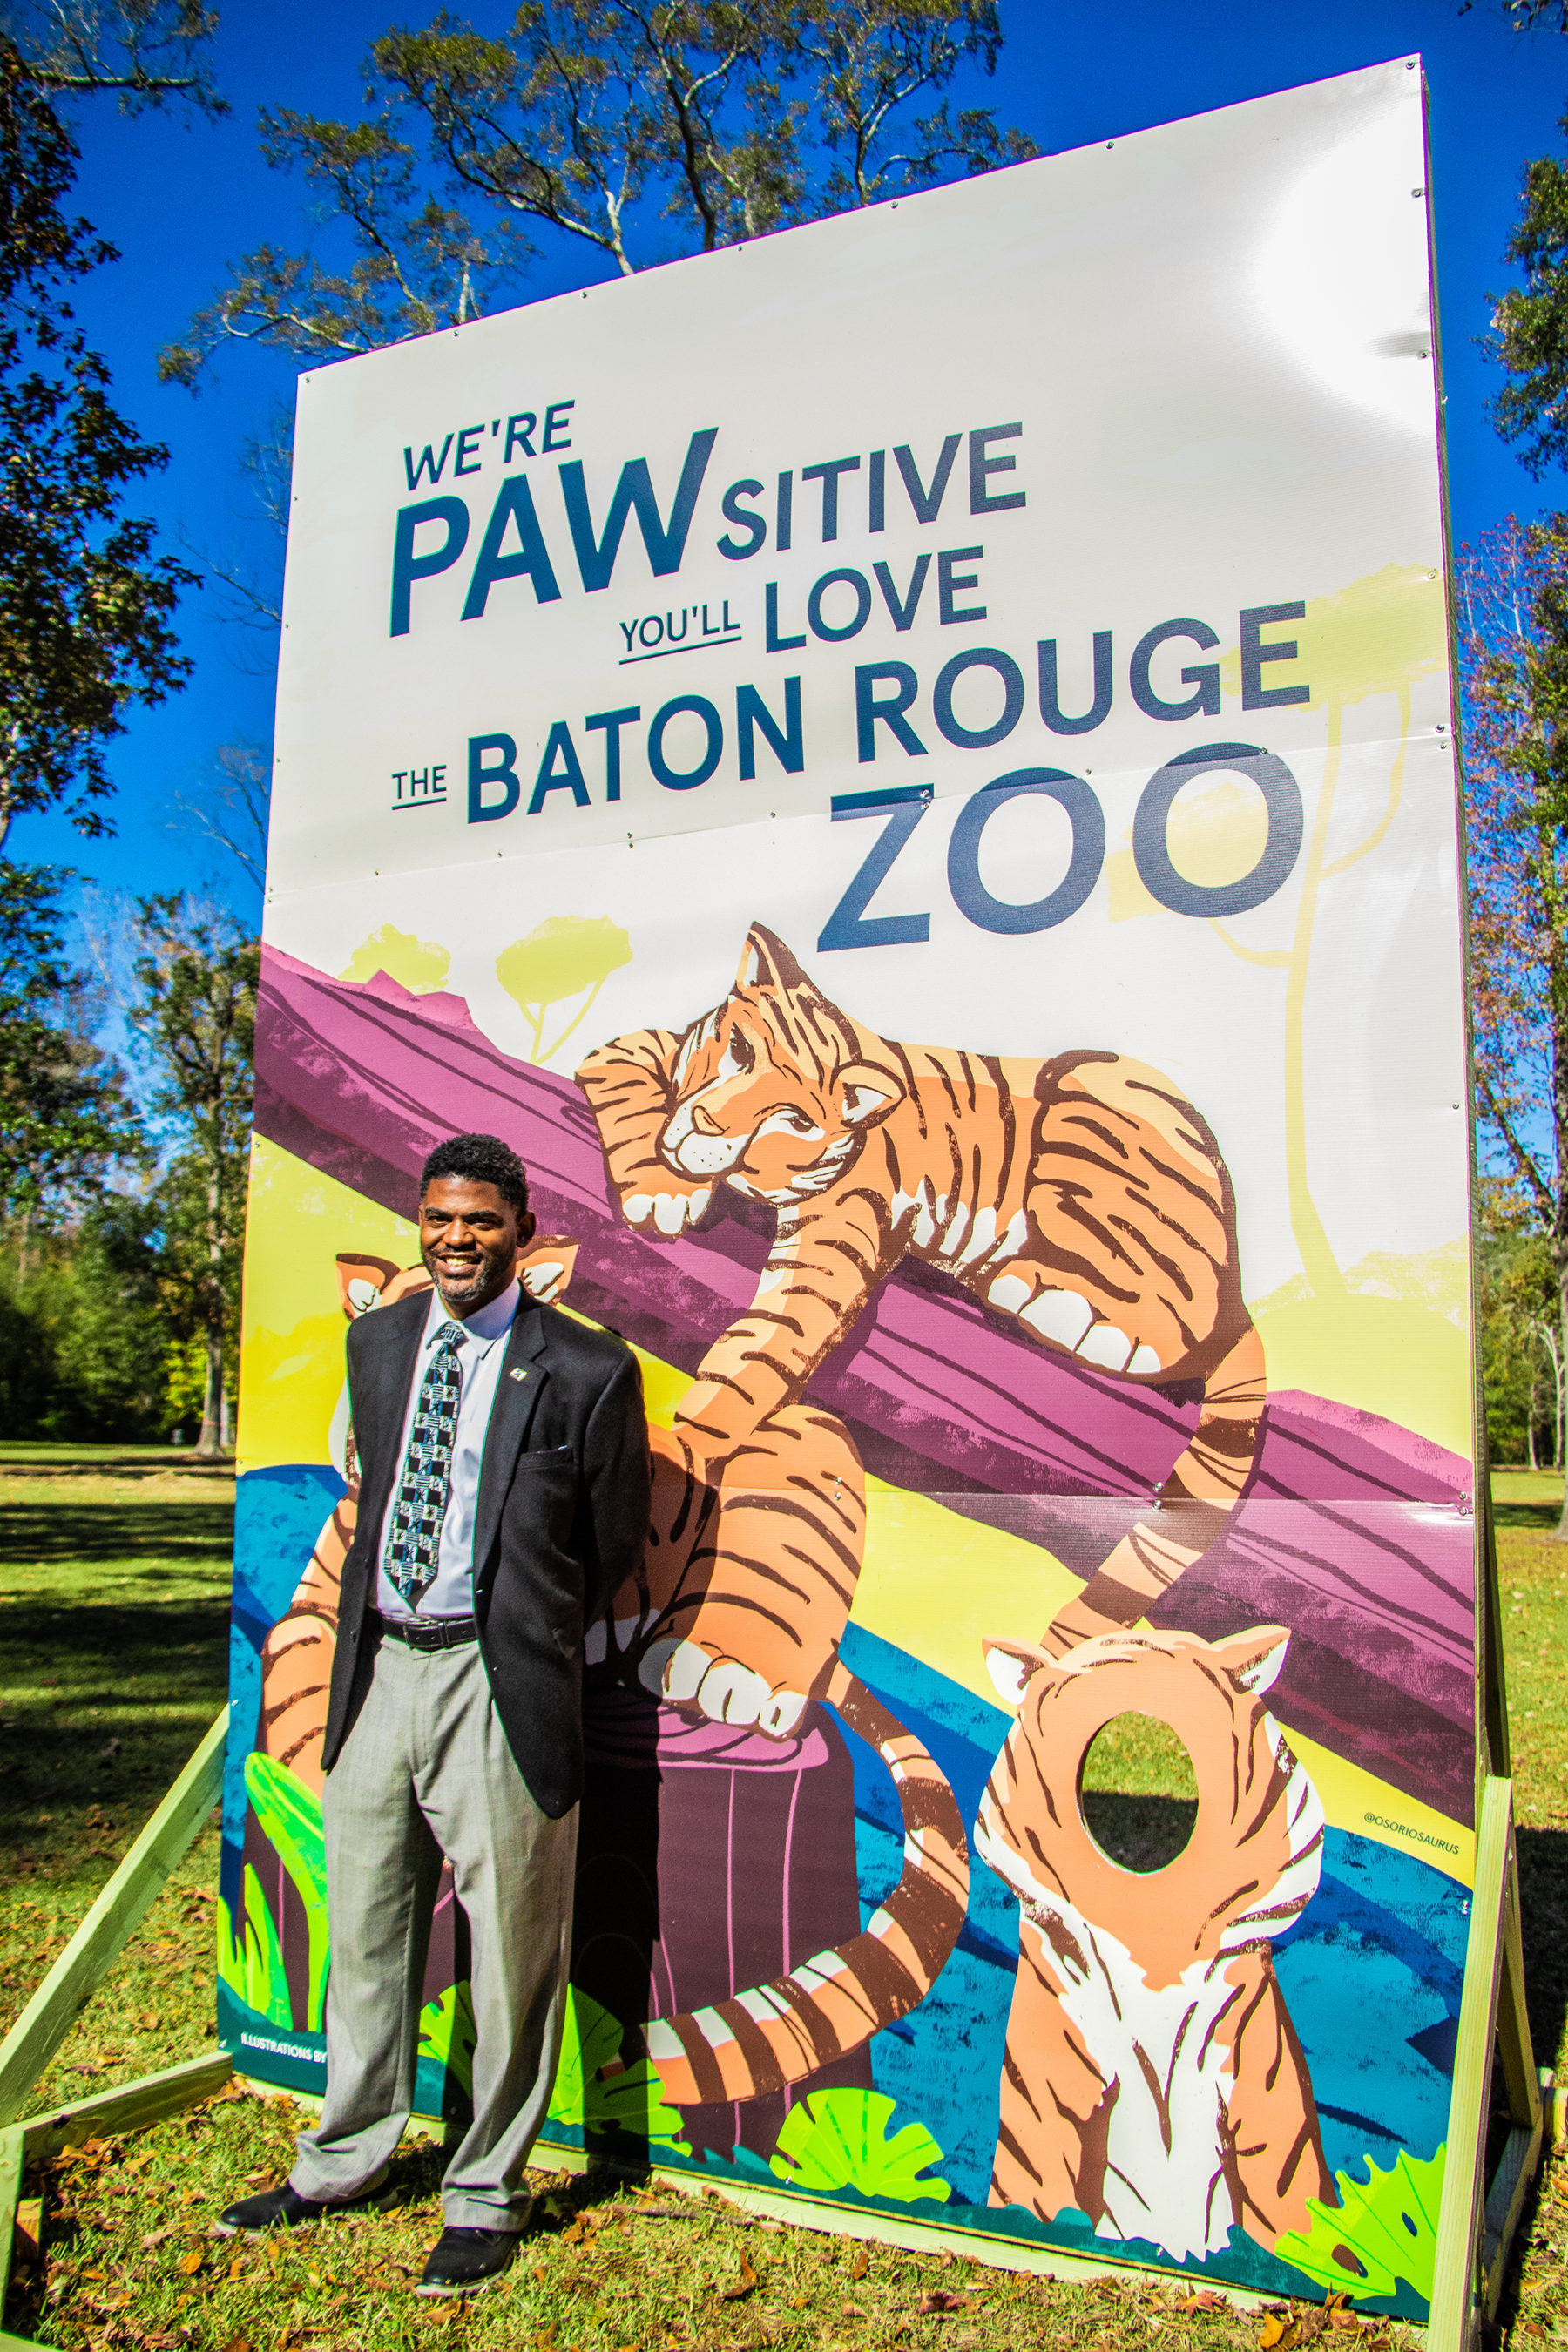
<point>427,1771</point>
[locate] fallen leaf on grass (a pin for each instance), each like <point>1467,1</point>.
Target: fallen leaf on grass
<point>156,2238</point>
<point>237,2344</point>
<point>861,2264</point>
<point>191,2263</point>
<point>1278,2333</point>
<point>1202,2299</point>
<point>851,2311</point>
<point>745,2282</point>
<point>940,2298</point>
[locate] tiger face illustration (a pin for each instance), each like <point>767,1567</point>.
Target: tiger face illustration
<point>1152,2078</point>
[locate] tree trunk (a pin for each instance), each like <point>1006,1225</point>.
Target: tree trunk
<point>1530,1424</point>
<point>209,1445</point>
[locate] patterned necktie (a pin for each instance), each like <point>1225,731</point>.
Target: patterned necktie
<point>413,1543</point>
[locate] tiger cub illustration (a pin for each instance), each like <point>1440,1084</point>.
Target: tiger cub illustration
<point>1153,2079</point>
<point>796,1499</point>
<point>1081,1196</point>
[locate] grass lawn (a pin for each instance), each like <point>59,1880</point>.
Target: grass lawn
<point>113,1629</point>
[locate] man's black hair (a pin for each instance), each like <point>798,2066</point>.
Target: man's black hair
<point>480,1159</point>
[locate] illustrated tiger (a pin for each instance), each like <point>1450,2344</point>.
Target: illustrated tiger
<point>1153,2079</point>
<point>1081,1196</point>
<point>794,1504</point>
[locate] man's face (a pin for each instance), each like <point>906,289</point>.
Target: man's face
<point>468,1237</point>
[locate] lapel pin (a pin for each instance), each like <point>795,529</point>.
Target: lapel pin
<point>518,1374</point>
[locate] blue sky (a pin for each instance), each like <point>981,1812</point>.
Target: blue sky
<point>183,200</point>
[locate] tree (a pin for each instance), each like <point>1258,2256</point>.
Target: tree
<point>146,52</point>
<point>65,1117</point>
<point>1513,604</point>
<point>85,607</point>
<point>634,130</point>
<point>231,809</point>
<point>195,1018</point>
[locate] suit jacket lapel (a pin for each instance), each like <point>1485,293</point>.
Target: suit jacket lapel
<point>384,1373</point>
<point>522,1377</point>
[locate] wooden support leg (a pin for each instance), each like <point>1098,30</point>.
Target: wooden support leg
<point>1469,2270</point>
<point>110,1925</point>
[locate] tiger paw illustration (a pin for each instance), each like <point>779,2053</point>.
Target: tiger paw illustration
<point>739,1603</point>
<point>688,1674</point>
<point>667,1210</point>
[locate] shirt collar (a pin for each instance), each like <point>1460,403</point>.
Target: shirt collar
<point>491,1324</point>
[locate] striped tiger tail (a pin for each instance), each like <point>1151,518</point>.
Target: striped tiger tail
<point>1194,1507</point>
<point>780,2032</point>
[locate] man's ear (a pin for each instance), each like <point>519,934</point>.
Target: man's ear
<point>360,1281</point>
<point>867,1094</point>
<point>1255,1656</point>
<point>767,964</point>
<point>1012,1667</point>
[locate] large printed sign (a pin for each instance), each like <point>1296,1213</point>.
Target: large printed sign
<point>906,767</point>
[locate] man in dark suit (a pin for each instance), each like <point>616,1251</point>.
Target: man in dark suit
<point>503,1498</point>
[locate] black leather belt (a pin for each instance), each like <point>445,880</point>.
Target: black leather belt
<point>431,1633</point>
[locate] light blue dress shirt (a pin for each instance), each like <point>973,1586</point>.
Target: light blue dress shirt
<point>481,1355</point>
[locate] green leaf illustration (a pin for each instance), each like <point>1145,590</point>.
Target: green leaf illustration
<point>1382,2230</point>
<point>448,2033</point>
<point>626,2096</point>
<point>251,1962</point>
<point>290,1818</point>
<point>838,2140</point>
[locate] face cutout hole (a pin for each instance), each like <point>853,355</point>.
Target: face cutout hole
<point>1138,1793</point>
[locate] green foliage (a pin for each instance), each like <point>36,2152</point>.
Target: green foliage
<point>448,2033</point>
<point>194,1020</point>
<point>86,608</point>
<point>1389,2223</point>
<point>624,2097</point>
<point>561,958</point>
<point>290,1818</point>
<point>85,1352</point>
<point>1520,1343</point>
<point>64,1116</point>
<point>838,2139</point>
<point>251,1961</point>
<point>636,132</point>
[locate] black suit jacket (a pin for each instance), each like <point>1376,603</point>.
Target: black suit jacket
<point>562,1520</point>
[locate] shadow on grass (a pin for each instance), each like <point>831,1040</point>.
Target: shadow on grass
<point>1140,1832</point>
<point>193,1533</point>
<point>1540,1518</point>
<point>1544,1905</point>
<point>105,1701</point>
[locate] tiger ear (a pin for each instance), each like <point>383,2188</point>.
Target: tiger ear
<point>1012,1666</point>
<point>767,964</point>
<point>1254,1657</point>
<point>867,1094</point>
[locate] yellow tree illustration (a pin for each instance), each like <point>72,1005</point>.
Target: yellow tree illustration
<point>567,956</point>
<point>418,965</point>
<point>1376,636</point>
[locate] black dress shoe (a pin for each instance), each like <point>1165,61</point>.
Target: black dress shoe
<point>468,2260</point>
<point>283,2209</point>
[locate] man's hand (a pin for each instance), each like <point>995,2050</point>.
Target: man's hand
<point>721,1689</point>
<point>674,1204</point>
